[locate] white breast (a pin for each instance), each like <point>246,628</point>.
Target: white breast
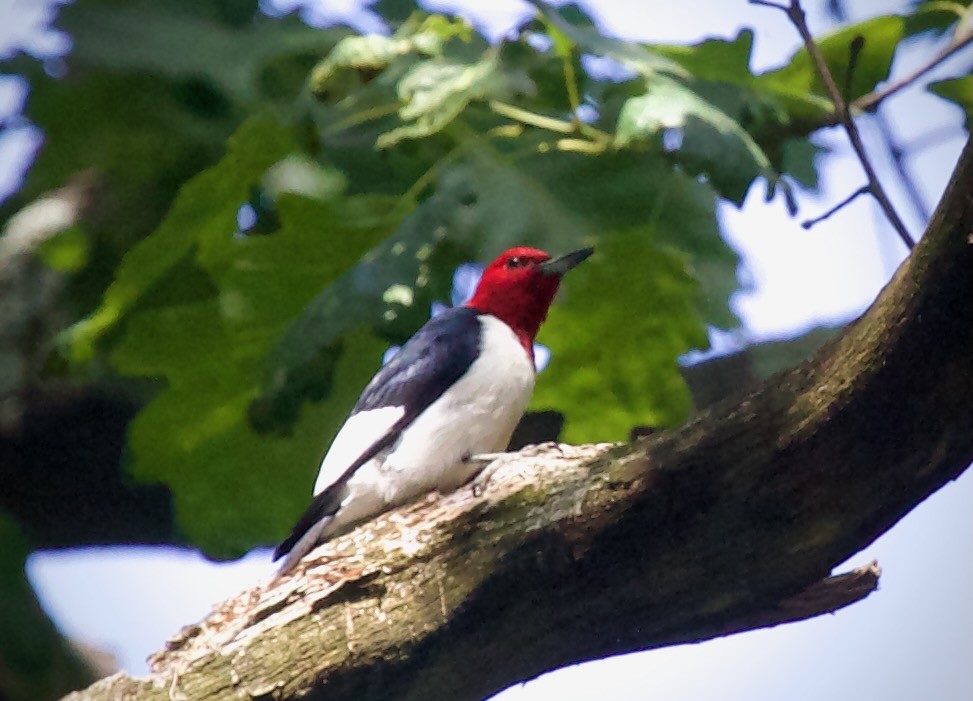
<point>476,415</point>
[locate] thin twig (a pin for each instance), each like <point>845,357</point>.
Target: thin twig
<point>898,155</point>
<point>599,140</point>
<point>571,84</point>
<point>895,150</point>
<point>532,118</point>
<point>863,190</point>
<point>872,99</point>
<point>931,138</point>
<point>796,14</point>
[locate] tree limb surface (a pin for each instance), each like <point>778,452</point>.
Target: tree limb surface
<point>730,522</point>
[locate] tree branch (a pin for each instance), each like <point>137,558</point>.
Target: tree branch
<point>827,596</point>
<point>796,14</point>
<point>730,522</point>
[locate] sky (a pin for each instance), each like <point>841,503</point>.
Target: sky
<point>913,639</point>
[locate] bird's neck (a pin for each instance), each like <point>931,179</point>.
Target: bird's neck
<point>524,318</point>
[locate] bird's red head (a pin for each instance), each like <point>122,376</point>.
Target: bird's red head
<point>519,286</point>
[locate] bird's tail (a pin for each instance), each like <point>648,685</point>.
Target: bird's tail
<point>307,532</point>
<point>302,546</point>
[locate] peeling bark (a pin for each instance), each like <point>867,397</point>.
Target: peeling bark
<point>731,522</point>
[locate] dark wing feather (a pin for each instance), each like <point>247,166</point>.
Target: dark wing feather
<point>427,365</point>
<point>324,505</point>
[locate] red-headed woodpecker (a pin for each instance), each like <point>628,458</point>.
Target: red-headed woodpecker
<point>455,390</point>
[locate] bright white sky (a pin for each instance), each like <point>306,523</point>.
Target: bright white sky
<point>913,639</point>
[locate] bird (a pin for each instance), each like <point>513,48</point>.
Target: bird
<point>454,391</point>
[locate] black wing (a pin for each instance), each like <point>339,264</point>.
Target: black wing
<point>427,365</point>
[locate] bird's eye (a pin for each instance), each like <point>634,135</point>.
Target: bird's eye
<point>516,262</point>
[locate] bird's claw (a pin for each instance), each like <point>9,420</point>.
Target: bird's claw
<point>485,458</point>
<point>491,465</point>
<point>541,448</point>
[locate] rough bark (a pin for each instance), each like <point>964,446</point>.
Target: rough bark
<point>579,553</point>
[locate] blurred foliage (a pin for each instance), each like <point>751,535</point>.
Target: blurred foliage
<point>606,357</point>
<point>283,202</point>
<point>35,663</point>
<point>202,309</point>
<point>958,91</point>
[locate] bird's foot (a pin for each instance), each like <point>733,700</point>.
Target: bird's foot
<point>491,463</point>
<point>541,448</point>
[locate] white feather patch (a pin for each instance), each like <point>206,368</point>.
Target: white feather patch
<point>357,434</point>
<point>476,415</point>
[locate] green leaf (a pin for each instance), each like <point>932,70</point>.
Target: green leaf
<point>711,140</point>
<point>938,16</point>
<point>422,35</point>
<point>395,12</point>
<point>197,435</point>
<point>770,114</point>
<point>434,92</point>
<point>714,59</point>
<point>959,91</point>
<point>203,214</point>
<point>175,42</point>
<point>142,135</point>
<point>145,113</point>
<point>801,85</point>
<point>232,486</point>
<point>202,307</point>
<point>798,159</point>
<point>66,252</point>
<point>588,39</point>
<point>625,315</point>
<point>798,88</point>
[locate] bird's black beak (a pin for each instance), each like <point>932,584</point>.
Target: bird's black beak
<point>559,266</point>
